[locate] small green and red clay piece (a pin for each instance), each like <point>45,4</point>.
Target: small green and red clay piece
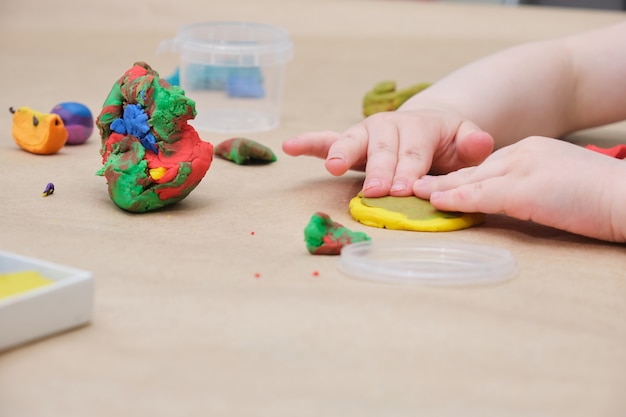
<point>244,151</point>
<point>323,236</point>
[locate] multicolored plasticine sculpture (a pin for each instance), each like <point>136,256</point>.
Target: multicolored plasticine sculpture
<point>323,236</point>
<point>243,151</point>
<point>39,133</point>
<point>151,156</point>
<point>384,97</point>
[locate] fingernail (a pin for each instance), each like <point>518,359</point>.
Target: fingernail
<point>422,183</point>
<point>335,156</point>
<point>372,183</point>
<point>398,186</point>
<point>435,195</point>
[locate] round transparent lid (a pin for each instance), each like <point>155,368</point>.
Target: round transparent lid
<point>429,262</point>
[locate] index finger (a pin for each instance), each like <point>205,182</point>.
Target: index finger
<point>401,147</point>
<point>349,151</point>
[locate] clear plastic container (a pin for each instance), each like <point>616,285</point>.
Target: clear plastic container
<point>431,262</point>
<point>234,71</point>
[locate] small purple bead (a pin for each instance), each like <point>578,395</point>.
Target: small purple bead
<point>78,121</point>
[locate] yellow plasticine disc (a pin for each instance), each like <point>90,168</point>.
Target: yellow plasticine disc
<point>409,213</point>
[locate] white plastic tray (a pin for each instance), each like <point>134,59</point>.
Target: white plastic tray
<point>62,305</point>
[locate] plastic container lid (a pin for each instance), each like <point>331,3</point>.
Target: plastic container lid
<point>428,262</point>
<point>232,44</point>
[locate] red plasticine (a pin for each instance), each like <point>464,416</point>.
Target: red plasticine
<point>618,151</point>
<point>188,148</point>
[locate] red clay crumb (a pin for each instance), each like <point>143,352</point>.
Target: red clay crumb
<point>257,275</point>
<point>316,273</point>
<point>252,232</point>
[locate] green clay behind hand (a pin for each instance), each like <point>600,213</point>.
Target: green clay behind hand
<point>384,97</point>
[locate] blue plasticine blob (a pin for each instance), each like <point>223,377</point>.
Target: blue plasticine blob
<point>77,119</point>
<point>135,123</point>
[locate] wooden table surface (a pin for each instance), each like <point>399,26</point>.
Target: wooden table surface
<point>181,325</point>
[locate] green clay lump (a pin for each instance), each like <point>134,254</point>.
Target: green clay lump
<point>323,236</point>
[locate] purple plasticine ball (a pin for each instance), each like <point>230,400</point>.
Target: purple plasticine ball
<point>78,121</point>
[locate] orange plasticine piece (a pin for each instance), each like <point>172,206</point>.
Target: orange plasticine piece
<point>39,133</point>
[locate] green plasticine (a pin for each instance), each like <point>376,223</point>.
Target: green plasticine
<point>129,169</point>
<point>385,97</point>
<point>172,108</point>
<point>412,207</point>
<point>114,101</point>
<point>129,192</point>
<point>168,105</point>
<point>323,236</point>
<point>243,151</point>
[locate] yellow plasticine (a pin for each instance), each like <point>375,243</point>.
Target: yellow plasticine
<point>39,133</point>
<point>157,173</point>
<point>14,283</point>
<point>429,220</point>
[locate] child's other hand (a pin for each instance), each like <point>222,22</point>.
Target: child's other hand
<point>540,179</point>
<point>397,148</point>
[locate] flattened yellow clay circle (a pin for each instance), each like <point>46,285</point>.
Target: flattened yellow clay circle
<point>409,213</point>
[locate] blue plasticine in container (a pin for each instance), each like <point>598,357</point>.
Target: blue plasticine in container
<point>234,71</point>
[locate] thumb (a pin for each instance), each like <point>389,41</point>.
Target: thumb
<point>473,145</point>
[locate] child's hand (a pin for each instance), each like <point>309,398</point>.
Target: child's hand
<point>397,148</point>
<point>547,181</point>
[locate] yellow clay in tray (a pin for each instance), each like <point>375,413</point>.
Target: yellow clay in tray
<point>23,281</point>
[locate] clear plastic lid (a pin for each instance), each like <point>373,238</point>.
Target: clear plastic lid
<point>428,262</point>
